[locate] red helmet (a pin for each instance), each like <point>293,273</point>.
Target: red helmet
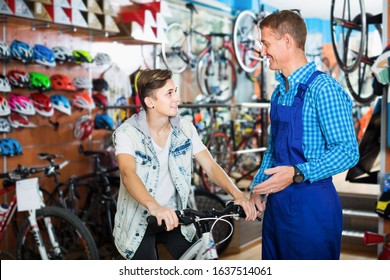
<point>83,127</point>
<point>100,100</point>
<point>18,78</point>
<point>18,120</point>
<point>60,81</point>
<point>83,101</point>
<point>42,104</point>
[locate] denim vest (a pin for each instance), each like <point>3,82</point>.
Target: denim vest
<point>130,219</point>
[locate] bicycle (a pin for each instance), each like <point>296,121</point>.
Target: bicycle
<point>371,238</point>
<point>48,233</point>
<point>236,147</point>
<point>205,247</point>
<point>246,39</point>
<point>216,73</point>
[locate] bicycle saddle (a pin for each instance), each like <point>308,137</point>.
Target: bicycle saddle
<point>49,156</point>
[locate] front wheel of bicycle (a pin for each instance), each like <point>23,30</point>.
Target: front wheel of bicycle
<point>175,48</point>
<point>359,82</point>
<point>246,41</point>
<point>75,241</point>
<point>216,77</point>
<point>205,200</point>
<point>221,150</point>
<point>342,23</point>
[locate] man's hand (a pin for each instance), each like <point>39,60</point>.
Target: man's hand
<point>281,177</point>
<point>259,201</point>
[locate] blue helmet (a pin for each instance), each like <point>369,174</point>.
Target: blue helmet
<point>10,147</point>
<point>43,55</point>
<point>61,103</point>
<point>21,51</point>
<point>103,121</point>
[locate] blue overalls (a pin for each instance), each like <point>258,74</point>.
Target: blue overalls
<point>303,221</point>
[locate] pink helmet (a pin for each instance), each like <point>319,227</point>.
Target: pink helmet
<point>21,104</point>
<point>42,104</point>
<point>4,107</point>
<point>83,101</point>
<point>83,127</point>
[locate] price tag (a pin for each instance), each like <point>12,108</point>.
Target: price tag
<point>27,194</point>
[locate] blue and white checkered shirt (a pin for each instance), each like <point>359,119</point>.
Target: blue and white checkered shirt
<point>329,141</point>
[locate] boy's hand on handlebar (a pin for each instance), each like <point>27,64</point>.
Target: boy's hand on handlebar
<point>167,214</point>
<point>249,208</point>
<point>259,201</point>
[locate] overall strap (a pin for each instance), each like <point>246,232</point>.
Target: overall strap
<point>302,88</point>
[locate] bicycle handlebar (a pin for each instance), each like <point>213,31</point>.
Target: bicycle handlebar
<point>189,216</point>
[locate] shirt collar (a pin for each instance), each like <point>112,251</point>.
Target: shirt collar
<point>298,76</point>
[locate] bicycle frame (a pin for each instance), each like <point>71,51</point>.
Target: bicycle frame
<point>34,225</point>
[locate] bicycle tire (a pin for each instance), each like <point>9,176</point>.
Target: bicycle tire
<point>149,53</point>
<point>362,90</point>
<point>216,77</point>
<point>76,242</point>
<point>206,200</point>
<point>243,163</point>
<point>245,38</point>
<point>175,48</point>
<point>221,149</point>
<point>338,19</point>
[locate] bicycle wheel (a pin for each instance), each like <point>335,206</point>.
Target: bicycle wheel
<point>216,77</point>
<point>359,82</point>
<point>76,242</point>
<point>246,41</point>
<point>341,19</point>
<point>205,200</point>
<point>221,150</point>
<point>150,54</point>
<point>175,48</point>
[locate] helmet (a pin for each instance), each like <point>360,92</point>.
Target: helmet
<point>5,53</point>
<point>18,78</point>
<point>60,81</point>
<point>17,120</point>
<point>100,100</point>
<point>81,56</point>
<point>42,104</point>
<point>4,106</point>
<point>21,104</point>
<point>39,81</point>
<point>43,55</point>
<point>82,83</point>
<point>83,101</point>
<point>4,84</point>
<point>10,147</point>
<point>62,54</point>
<point>100,85</point>
<point>4,125</point>
<point>61,103</point>
<point>83,127</point>
<point>103,121</point>
<point>21,51</point>
<point>102,59</point>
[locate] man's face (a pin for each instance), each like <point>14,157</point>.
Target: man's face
<point>274,48</point>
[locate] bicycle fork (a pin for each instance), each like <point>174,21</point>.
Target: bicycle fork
<point>38,237</point>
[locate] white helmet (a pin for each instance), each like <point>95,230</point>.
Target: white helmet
<point>5,53</point>
<point>62,54</point>
<point>4,125</point>
<point>82,83</point>
<point>4,84</point>
<point>102,59</point>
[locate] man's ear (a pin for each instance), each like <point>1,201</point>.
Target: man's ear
<point>289,40</point>
<point>149,102</point>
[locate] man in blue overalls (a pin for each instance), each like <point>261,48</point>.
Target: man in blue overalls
<point>312,138</point>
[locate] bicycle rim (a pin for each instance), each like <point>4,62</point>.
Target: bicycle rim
<point>221,150</point>
<point>205,201</point>
<point>217,78</point>
<point>150,54</point>
<point>245,36</point>
<point>75,241</point>
<point>175,48</point>
<point>341,19</point>
<point>359,82</point>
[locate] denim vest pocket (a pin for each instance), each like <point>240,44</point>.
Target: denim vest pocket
<point>182,155</point>
<point>143,165</point>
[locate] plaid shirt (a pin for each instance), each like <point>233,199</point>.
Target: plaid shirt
<point>329,141</point>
